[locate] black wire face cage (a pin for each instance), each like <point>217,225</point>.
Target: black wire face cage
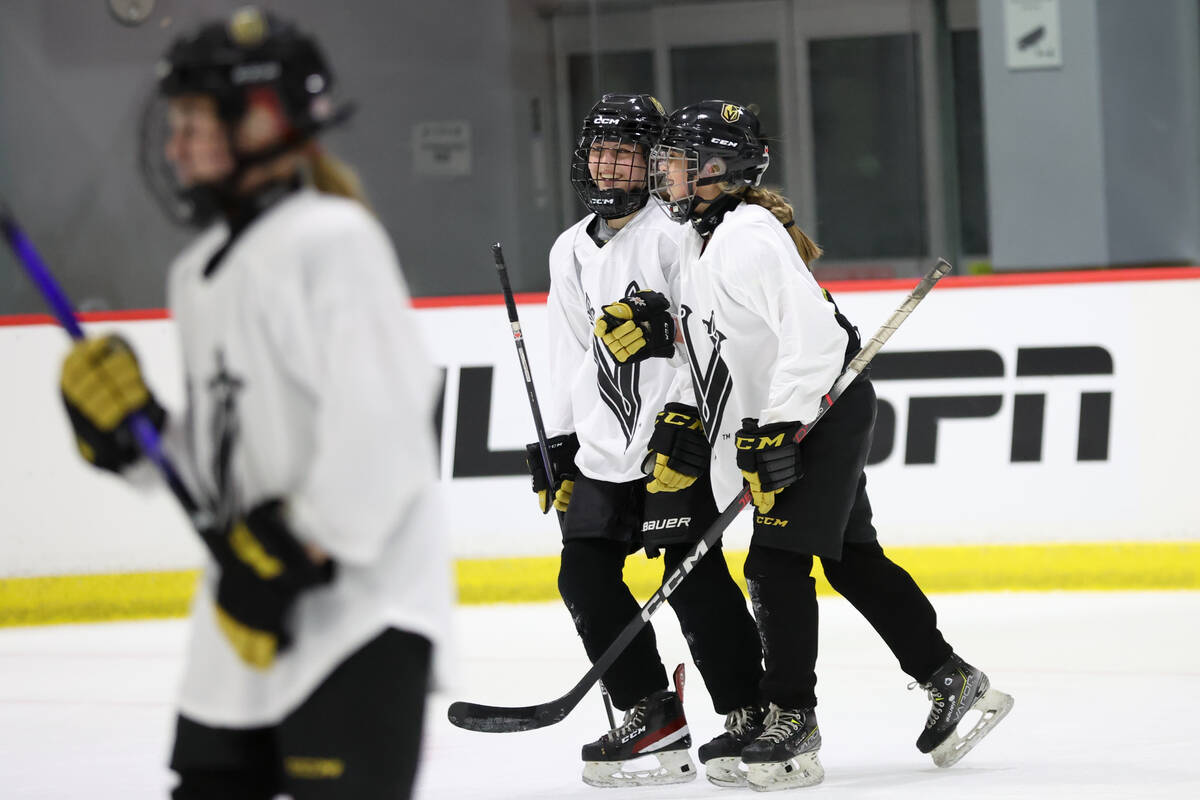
<point>681,163</point>
<point>669,166</point>
<point>616,160</point>
<point>157,172</point>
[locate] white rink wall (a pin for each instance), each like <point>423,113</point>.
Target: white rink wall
<point>960,480</point>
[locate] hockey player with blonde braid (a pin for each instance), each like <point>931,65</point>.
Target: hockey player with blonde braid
<point>306,435</point>
<point>765,344</point>
<point>612,418</point>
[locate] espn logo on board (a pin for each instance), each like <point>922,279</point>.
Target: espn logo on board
<point>1038,371</point>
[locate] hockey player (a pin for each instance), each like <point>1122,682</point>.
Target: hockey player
<point>765,344</point>
<point>306,433</point>
<point>604,418</point>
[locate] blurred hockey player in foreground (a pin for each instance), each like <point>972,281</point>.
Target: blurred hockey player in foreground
<point>306,433</point>
<point>605,418</point>
<point>765,344</point>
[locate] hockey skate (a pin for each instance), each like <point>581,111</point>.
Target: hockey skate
<point>654,727</point>
<point>784,756</point>
<point>723,755</point>
<point>955,689</point>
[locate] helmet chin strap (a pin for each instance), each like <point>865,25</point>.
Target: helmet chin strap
<point>223,197</point>
<point>707,219</point>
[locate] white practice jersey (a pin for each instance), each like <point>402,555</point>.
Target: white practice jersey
<point>306,381</point>
<point>610,406</point>
<point>762,340</point>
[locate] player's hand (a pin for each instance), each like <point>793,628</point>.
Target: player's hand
<point>264,568</point>
<point>102,386</point>
<point>637,327</point>
<point>553,491</point>
<point>769,458</point>
<point>679,451</point>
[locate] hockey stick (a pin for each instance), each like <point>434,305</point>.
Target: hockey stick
<point>499,719</point>
<point>530,392</point>
<point>527,375</point>
<point>144,433</point>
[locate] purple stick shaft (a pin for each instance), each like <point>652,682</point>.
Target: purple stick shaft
<point>144,432</point>
<point>41,277</point>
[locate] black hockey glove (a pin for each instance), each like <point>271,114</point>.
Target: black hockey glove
<point>102,386</point>
<point>562,450</point>
<point>769,458</point>
<point>679,450</point>
<point>264,568</point>
<point>638,327</point>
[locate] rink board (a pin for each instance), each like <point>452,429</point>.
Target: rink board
<point>1018,415</point>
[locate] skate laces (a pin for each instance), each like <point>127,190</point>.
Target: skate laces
<point>935,697</point>
<point>739,720</point>
<point>782,723</point>
<point>634,719</point>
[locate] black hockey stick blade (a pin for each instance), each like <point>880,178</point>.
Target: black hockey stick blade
<point>497,719</point>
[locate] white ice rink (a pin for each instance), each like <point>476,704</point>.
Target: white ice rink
<point>1107,690</point>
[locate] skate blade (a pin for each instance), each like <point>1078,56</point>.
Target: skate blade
<point>995,705</point>
<point>727,772</point>
<point>802,770</point>
<point>674,766</point>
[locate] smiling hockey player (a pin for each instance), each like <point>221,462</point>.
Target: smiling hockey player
<point>605,418</point>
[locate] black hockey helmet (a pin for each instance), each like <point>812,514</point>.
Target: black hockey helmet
<point>717,142</point>
<point>231,60</point>
<point>253,49</point>
<point>617,120</point>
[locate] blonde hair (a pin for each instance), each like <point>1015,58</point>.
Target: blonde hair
<point>778,205</point>
<point>331,175</point>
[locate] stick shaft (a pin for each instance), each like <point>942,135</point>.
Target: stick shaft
<point>523,357</point>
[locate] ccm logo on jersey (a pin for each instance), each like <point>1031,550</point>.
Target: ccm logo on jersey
<point>606,120</point>
<point>663,524</point>
<point>770,521</point>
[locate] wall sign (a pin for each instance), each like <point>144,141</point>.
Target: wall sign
<point>1033,34</point>
<point>442,149</point>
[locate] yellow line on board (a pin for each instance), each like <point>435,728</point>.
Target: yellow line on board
<point>967,568</point>
<point>95,598</point>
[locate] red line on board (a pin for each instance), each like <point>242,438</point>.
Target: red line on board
<point>840,287</point>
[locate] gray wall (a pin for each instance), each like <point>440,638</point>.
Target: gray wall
<point>72,82</point>
<point>1150,71</point>
<point>1045,148</point>
<point>1095,163</point>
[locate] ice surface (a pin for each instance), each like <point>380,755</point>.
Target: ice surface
<point>1107,689</point>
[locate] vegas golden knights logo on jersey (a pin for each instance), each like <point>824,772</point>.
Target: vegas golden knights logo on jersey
<point>618,383</point>
<point>712,382</point>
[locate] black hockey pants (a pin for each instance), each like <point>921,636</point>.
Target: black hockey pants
<point>711,610</point>
<point>781,585</point>
<point>358,735</point>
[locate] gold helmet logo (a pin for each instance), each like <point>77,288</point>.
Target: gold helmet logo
<point>731,113</point>
<point>247,27</point>
<point>657,105</point>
